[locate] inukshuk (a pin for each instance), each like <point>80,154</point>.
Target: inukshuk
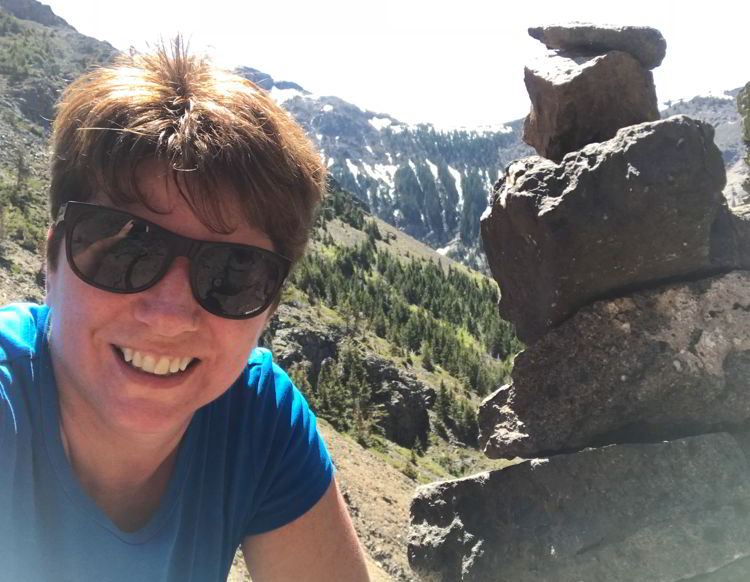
<point>628,277</point>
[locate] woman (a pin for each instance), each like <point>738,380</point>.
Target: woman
<point>142,437</point>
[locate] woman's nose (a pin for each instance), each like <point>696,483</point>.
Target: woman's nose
<point>169,307</point>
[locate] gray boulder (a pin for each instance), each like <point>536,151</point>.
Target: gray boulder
<point>620,215</point>
<point>642,42</point>
<point>578,100</point>
<point>731,237</point>
<point>655,365</point>
<point>668,511</point>
<point>297,339</point>
<point>404,399</point>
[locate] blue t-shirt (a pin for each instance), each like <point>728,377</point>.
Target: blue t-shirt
<point>249,462</point>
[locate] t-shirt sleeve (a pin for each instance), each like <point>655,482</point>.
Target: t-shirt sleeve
<point>18,334</point>
<point>296,468</point>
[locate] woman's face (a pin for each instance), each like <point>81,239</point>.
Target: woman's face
<point>92,331</point>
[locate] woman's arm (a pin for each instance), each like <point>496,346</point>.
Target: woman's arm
<point>319,546</point>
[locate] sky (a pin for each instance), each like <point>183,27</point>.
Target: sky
<point>453,64</point>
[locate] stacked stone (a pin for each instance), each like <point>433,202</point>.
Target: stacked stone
<point>628,277</point>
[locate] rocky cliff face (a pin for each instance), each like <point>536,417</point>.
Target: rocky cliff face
<point>297,338</point>
<point>39,55</point>
<point>627,274</point>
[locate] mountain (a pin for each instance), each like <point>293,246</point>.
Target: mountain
<point>430,183</point>
<point>433,183</point>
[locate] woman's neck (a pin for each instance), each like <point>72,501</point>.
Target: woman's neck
<point>125,475</point>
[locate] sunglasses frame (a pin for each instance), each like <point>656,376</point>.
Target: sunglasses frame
<point>179,246</point>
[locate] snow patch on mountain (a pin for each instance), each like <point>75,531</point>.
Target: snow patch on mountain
<point>433,169</point>
<point>457,177</point>
<point>382,172</point>
<point>379,123</point>
<point>487,212</point>
<point>352,168</point>
<point>282,95</point>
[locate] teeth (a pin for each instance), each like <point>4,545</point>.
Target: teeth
<point>162,366</point>
<point>159,365</point>
<point>149,363</point>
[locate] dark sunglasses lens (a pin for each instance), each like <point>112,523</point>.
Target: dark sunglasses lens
<point>236,281</point>
<point>117,251</point>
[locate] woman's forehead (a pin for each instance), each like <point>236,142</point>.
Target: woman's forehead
<point>161,189</point>
<point>162,197</point>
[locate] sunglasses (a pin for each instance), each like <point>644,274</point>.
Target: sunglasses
<point>122,253</point>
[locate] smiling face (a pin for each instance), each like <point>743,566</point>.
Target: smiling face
<point>145,362</point>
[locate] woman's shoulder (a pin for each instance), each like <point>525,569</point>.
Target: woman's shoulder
<point>263,390</point>
<point>262,369</point>
<point>20,325</point>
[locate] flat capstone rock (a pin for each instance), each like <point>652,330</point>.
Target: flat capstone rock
<point>643,42</point>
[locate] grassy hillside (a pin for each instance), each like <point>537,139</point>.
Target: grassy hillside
<point>395,298</point>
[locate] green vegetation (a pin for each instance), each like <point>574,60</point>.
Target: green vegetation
<point>440,323</point>
<point>450,318</point>
<point>456,414</point>
<point>341,394</point>
<point>743,106</point>
<point>32,51</point>
<point>25,53</point>
<point>9,25</point>
<point>445,321</point>
<point>22,215</point>
<point>342,205</point>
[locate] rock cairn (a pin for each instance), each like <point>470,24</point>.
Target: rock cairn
<point>628,277</point>
<point>596,82</point>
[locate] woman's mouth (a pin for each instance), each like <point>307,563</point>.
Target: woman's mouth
<point>159,365</point>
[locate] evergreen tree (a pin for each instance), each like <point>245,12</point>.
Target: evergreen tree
<point>332,399</point>
<point>427,357</point>
<point>444,403</point>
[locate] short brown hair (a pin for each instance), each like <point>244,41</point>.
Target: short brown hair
<point>209,126</point>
